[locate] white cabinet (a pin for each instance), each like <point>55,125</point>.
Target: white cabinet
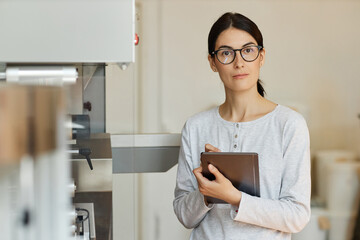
<point>58,31</point>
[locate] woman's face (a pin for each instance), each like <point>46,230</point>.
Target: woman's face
<point>238,76</point>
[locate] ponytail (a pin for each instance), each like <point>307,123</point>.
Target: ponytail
<point>260,88</point>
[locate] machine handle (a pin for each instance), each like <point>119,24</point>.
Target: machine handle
<point>86,153</point>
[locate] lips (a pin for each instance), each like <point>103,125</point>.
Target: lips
<point>240,76</point>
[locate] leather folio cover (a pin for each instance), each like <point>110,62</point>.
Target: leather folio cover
<point>242,169</point>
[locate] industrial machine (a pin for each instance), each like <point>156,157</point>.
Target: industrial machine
<point>58,165</point>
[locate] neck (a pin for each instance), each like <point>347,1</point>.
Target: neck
<point>242,107</point>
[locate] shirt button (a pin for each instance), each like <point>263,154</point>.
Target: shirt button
<point>236,135</point>
<point>235,146</point>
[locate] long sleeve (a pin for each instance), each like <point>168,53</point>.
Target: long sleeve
<point>281,139</point>
<point>189,205</point>
<point>291,211</point>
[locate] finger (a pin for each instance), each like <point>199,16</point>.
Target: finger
<point>198,173</point>
<point>199,169</point>
<point>211,148</point>
<point>218,175</point>
<point>202,181</point>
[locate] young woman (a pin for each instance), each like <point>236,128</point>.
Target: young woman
<point>245,122</point>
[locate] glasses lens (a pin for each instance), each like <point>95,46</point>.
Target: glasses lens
<point>250,53</point>
<point>225,56</point>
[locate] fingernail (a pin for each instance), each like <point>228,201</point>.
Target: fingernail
<point>211,167</point>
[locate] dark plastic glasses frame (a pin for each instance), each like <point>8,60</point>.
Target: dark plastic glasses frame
<point>215,53</point>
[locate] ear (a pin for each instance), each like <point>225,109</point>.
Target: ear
<point>212,63</point>
<point>262,57</point>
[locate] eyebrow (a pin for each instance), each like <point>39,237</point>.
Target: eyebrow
<point>249,43</point>
<point>246,44</point>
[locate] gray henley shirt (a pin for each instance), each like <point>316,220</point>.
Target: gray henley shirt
<point>281,139</point>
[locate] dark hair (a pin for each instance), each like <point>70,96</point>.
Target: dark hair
<point>240,22</point>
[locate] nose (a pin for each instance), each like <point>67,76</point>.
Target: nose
<point>238,61</point>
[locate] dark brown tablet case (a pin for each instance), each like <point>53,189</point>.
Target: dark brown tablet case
<point>242,169</point>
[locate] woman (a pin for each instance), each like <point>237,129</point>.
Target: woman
<point>245,122</point>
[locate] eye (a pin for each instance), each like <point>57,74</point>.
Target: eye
<point>249,50</point>
<point>226,52</point>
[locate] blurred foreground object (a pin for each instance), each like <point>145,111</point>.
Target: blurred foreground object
<point>34,166</point>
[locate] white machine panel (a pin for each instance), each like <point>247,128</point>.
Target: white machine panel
<point>64,31</point>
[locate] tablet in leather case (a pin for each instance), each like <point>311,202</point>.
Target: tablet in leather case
<point>242,169</point>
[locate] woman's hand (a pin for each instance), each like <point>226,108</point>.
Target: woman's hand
<point>211,148</point>
<point>220,188</point>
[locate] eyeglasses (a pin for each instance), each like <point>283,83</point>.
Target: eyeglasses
<point>227,55</point>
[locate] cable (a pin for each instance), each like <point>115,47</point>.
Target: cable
<point>85,210</point>
<point>86,218</point>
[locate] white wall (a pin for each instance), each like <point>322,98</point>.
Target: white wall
<point>312,60</point>
<point>312,63</point>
